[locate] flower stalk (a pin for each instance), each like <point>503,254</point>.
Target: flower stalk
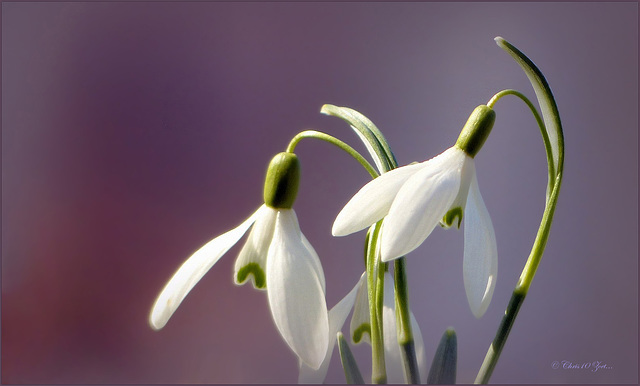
<point>553,138</point>
<point>385,160</point>
<point>334,141</point>
<point>403,322</point>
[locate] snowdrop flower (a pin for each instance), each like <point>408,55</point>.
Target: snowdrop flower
<point>278,258</point>
<point>361,327</point>
<point>413,199</point>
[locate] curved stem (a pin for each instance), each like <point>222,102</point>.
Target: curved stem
<point>381,152</point>
<point>334,141</point>
<point>555,166</point>
<point>522,288</point>
<point>524,282</point>
<point>541,125</point>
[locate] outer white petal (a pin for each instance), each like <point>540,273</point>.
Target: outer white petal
<point>295,292</point>
<point>393,357</point>
<point>337,315</point>
<point>252,260</point>
<point>192,271</point>
<point>317,265</point>
<point>420,350</point>
<point>480,265</point>
<point>373,201</point>
<point>421,203</point>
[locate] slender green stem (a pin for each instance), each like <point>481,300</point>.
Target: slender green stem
<point>540,242</point>
<point>334,141</point>
<point>521,290</point>
<point>375,285</point>
<point>403,322</point>
<point>541,125</point>
<point>385,159</point>
<point>491,359</point>
<point>522,287</point>
<point>545,98</point>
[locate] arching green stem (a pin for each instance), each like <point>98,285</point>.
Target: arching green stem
<point>380,151</point>
<point>334,141</point>
<point>543,130</point>
<point>553,137</point>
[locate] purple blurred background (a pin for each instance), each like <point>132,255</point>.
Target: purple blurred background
<point>132,133</point>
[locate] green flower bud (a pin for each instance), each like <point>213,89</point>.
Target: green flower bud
<point>476,130</point>
<point>281,183</point>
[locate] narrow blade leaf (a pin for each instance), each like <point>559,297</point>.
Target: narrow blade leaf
<point>351,370</point>
<point>443,367</point>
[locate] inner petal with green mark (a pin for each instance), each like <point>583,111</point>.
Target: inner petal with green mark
<point>259,278</point>
<point>364,328</point>
<point>252,260</point>
<point>451,216</point>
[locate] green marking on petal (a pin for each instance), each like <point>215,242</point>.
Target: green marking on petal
<point>362,329</point>
<point>451,215</point>
<point>259,278</point>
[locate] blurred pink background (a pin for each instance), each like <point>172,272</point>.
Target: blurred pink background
<point>132,133</point>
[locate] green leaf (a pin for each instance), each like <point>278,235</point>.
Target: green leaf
<point>378,134</point>
<point>443,367</point>
<point>369,134</point>
<point>547,102</point>
<point>351,370</point>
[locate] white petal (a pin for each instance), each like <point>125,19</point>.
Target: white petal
<point>192,271</point>
<point>337,316</point>
<point>373,201</point>
<point>295,292</point>
<point>252,260</point>
<point>421,203</point>
<point>480,265</point>
<point>419,347</point>
<point>360,326</point>
<point>316,262</point>
<point>392,358</point>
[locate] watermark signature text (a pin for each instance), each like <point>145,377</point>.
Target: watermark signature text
<point>590,366</point>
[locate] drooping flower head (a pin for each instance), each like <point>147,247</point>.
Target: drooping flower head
<point>277,257</point>
<point>413,199</point>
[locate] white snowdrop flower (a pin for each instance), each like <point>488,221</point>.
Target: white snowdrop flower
<point>280,260</point>
<point>413,199</point>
